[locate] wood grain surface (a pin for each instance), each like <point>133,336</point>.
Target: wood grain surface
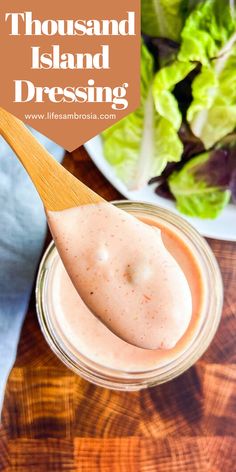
<point>55,421</point>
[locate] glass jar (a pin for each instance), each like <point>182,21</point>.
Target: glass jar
<point>210,316</point>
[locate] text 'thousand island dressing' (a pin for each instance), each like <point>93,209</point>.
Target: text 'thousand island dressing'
<point>124,274</point>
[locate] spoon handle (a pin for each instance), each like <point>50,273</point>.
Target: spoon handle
<point>57,187</point>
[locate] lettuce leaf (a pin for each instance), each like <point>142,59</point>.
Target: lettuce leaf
<point>212,113</point>
<point>224,172</point>
<point>165,102</point>
<point>141,144</point>
<point>162,18</point>
<point>164,82</point>
<point>201,187</point>
<point>165,18</point>
<point>209,37</point>
<point>209,31</point>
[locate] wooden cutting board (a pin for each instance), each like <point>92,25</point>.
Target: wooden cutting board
<point>55,421</point>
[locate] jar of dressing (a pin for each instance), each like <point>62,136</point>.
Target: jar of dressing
<point>87,346</point>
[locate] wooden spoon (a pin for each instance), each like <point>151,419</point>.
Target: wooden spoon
<point>58,189</point>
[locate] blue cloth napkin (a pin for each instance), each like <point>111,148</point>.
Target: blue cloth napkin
<point>22,233</point>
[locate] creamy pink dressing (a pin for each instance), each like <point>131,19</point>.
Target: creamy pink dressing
<point>124,273</point>
<point>85,335</point>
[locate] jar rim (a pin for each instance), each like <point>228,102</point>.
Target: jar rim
<point>108,377</point>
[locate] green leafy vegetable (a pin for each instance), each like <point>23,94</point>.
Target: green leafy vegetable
<point>165,18</point>
<point>209,31</point>
<point>140,145</point>
<point>195,192</point>
<point>212,113</point>
<point>188,104</point>
<point>162,18</point>
<point>209,37</point>
<point>165,80</point>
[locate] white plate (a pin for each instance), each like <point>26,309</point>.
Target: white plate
<point>224,227</point>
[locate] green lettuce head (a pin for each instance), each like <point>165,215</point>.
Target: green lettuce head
<point>140,145</point>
